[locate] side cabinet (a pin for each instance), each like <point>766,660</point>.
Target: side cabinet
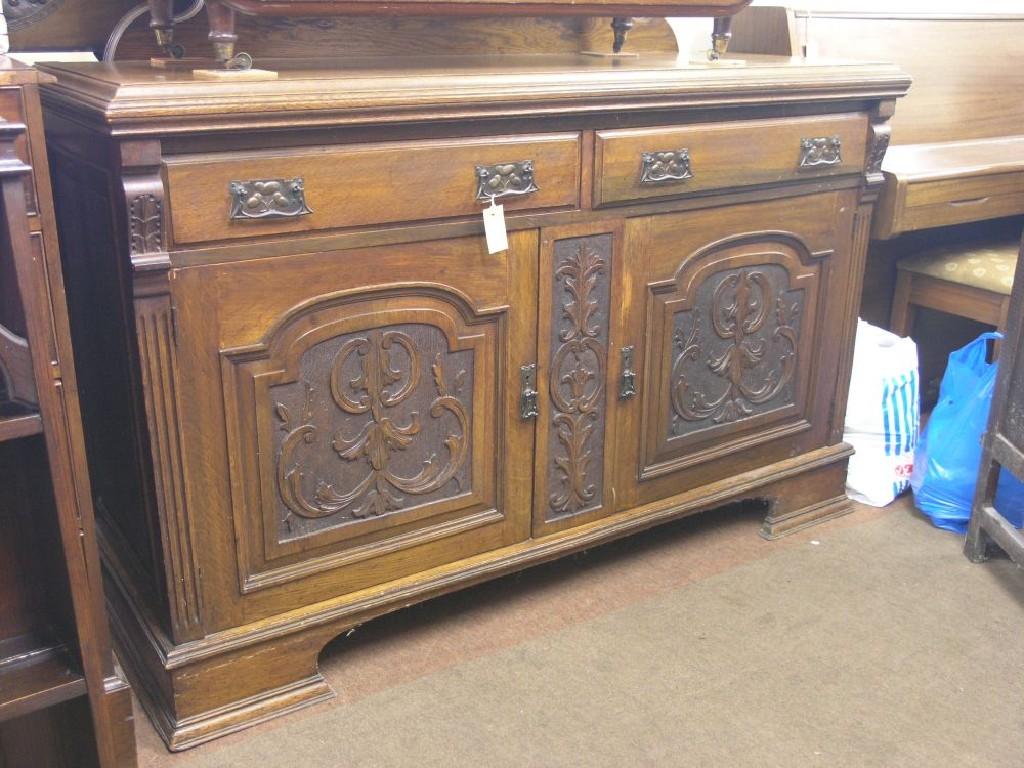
<point>733,314</point>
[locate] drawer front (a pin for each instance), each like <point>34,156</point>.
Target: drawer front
<point>956,201</point>
<point>634,164</point>
<point>236,195</point>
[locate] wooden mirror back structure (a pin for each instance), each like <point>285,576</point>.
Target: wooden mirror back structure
<point>222,33</point>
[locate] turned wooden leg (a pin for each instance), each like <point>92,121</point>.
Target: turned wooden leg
<point>901,319</point>
<point>222,29</point>
<point>161,21</point>
<point>620,28</point>
<point>720,37</point>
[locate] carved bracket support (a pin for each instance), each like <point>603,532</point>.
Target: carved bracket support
<point>144,205</point>
<point>879,135</point>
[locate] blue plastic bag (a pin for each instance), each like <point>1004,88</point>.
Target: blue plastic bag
<point>949,452</point>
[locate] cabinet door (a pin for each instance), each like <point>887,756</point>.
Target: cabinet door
<point>577,374</point>
<point>369,400</point>
<point>738,312</point>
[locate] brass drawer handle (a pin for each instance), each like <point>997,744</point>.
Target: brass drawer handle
<point>820,151</point>
<point>528,408</point>
<point>505,180</point>
<point>268,199</point>
<point>661,167</point>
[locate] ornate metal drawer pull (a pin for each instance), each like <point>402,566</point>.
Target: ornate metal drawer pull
<point>627,384</point>
<point>505,180</point>
<point>268,199</point>
<point>528,392</point>
<point>660,167</point>
<point>820,151</point>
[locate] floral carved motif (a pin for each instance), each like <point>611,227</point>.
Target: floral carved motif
<point>577,377</point>
<point>746,359</point>
<point>370,421</point>
<point>146,224</point>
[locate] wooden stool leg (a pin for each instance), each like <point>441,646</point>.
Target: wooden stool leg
<point>1004,311</point>
<point>901,320</point>
<point>977,545</point>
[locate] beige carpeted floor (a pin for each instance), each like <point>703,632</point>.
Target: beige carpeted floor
<point>868,641</point>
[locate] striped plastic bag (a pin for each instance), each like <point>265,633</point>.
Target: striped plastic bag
<point>883,415</point>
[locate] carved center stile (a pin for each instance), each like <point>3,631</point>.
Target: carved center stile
<point>746,361</point>
<point>577,375</point>
<point>391,434</point>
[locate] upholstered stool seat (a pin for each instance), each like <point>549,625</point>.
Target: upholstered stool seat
<point>967,279</point>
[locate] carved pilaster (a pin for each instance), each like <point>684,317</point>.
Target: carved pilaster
<point>154,326</point>
<point>157,357</point>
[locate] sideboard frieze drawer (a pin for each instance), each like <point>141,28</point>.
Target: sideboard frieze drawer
<point>227,196</point>
<point>668,161</point>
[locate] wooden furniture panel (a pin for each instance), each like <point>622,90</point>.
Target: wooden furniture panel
<point>634,164</point>
<point>352,186</point>
<point>958,152</point>
<point>221,13</point>
<point>733,330</point>
<point>275,37</point>
<point>365,407</point>
<point>579,374</point>
<point>966,100</point>
<point>55,654</point>
<point>334,421</point>
<point>921,203</point>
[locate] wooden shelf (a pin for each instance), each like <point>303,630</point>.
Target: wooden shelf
<point>38,679</point>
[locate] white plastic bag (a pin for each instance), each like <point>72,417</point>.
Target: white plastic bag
<point>883,415</point>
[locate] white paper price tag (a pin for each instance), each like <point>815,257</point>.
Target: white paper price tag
<point>494,228</point>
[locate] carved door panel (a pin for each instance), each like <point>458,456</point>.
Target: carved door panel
<point>739,314</point>
<point>578,374</point>
<point>369,398</point>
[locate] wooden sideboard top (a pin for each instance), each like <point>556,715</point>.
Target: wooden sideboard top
<point>134,98</point>
<point>956,159</point>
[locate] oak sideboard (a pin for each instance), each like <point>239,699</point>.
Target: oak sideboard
<point>312,396</point>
